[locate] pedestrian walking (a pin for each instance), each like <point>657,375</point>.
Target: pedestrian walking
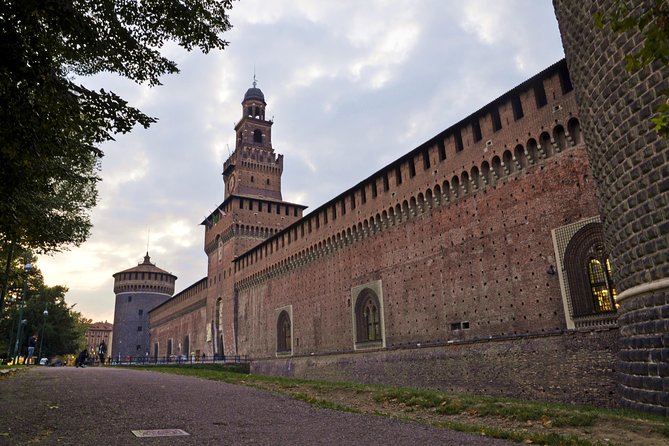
<point>102,352</point>
<point>32,342</point>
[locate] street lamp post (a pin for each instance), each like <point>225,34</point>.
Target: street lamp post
<point>12,301</point>
<point>41,339</point>
<point>17,347</point>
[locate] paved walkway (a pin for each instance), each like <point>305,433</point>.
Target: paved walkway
<point>103,405</point>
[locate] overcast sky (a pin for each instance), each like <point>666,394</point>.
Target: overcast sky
<point>352,85</point>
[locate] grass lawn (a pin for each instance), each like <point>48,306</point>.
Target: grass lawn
<point>528,422</point>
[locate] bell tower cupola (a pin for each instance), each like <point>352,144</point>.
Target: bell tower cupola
<point>253,169</point>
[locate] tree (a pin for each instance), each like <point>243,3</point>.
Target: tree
<point>63,329</point>
<point>51,125</point>
<point>651,19</point>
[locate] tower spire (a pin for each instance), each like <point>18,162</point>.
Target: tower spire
<point>254,76</point>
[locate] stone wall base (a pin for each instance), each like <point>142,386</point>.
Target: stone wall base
<point>643,360</point>
<point>571,367</point>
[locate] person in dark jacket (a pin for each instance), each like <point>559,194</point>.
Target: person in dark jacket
<point>81,359</point>
<point>31,348</point>
<point>102,351</point>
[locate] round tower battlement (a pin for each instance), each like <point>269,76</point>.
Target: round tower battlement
<point>144,278</point>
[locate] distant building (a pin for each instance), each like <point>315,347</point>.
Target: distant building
<point>98,332</point>
<point>138,290</point>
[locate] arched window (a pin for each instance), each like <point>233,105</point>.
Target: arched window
<point>368,317</point>
<point>257,136</point>
<point>588,271</point>
<point>283,333</point>
<point>600,285</point>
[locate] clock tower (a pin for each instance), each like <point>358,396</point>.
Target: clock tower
<point>253,211</point>
<point>253,170</point>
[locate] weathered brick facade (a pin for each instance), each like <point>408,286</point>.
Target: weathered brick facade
<point>631,165</point>
<point>441,261</point>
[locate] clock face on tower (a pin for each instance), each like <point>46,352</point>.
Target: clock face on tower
<point>231,184</point>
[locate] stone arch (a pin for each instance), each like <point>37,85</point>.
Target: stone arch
<point>546,144</point>
<point>368,316</point>
<point>591,292</point>
<point>464,181</point>
<point>485,173</point>
<point>532,151</point>
<point>574,128</point>
<point>284,333</point>
<point>447,190</point>
<point>475,178</point>
<point>455,186</point>
<point>559,137</point>
<point>257,136</point>
<point>521,158</point>
<point>507,161</point>
<point>497,170</point>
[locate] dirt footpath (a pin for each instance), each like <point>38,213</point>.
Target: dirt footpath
<point>102,406</point>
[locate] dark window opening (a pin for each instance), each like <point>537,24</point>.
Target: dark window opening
<point>368,317</point>
<point>442,150</point>
<point>353,200</point>
<point>140,312</point>
<point>257,136</point>
<point>386,185</point>
<point>476,131</point>
<point>374,192</point>
<point>334,212</point>
<point>426,159</point>
<point>343,207</point>
<point>129,299</point>
<point>398,175</point>
<point>139,328</point>
<point>540,95</point>
<point>517,107</point>
<point>363,195</point>
<point>565,80</point>
<point>412,168</point>
<point>283,333</point>
<point>496,120</point>
<point>458,141</point>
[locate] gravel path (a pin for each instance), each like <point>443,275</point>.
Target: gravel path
<point>102,405</point>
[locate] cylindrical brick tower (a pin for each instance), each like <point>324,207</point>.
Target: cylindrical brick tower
<point>630,162</point>
<point>138,290</point>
